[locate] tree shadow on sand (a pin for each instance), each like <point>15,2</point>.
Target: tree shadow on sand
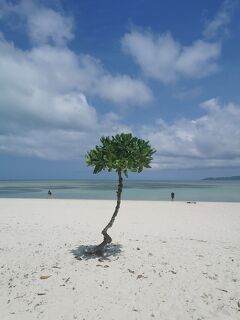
<point>86,252</point>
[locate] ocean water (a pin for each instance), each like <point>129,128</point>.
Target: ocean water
<point>202,190</point>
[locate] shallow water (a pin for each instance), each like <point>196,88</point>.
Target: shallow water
<point>228,191</point>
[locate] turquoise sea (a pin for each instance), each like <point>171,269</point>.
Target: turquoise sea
<point>202,190</point>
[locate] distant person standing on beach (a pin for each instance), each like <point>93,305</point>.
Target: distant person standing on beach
<point>49,194</point>
<point>172,196</point>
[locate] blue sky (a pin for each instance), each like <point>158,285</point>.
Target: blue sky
<point>72,71</point>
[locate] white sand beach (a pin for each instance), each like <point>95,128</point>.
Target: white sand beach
<point>168,261</point>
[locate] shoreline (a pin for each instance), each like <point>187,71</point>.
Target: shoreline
<point>125,200</point>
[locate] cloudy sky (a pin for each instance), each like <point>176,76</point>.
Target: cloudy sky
<point>72,71</point>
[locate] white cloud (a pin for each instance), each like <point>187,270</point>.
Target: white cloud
<point>198,60</point>
<point>59,69</point>
<point>220,23</point>
<point>56,66</point>
<point>48,26</point>
<point>122,88</point>
<point>211,140</point>
<point>57,143</point>
<point>163,58</point>
<point>44,111</point>
<point>44,25</point>
<point>54,127</point>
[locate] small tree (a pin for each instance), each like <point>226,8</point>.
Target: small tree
<point>120,153</point>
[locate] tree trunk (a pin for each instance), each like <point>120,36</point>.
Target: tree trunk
<point>106,238</point>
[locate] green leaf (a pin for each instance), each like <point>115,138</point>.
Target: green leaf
<point>121,152</point>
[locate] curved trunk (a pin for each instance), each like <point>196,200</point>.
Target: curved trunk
<point>106,238</point>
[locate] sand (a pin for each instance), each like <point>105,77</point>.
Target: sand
<point>169,260</point>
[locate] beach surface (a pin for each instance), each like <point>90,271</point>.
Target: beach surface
<point>168,260</point>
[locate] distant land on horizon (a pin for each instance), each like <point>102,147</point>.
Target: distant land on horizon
<point>223,178</point>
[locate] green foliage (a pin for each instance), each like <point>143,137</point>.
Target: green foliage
<point>120,153</point>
